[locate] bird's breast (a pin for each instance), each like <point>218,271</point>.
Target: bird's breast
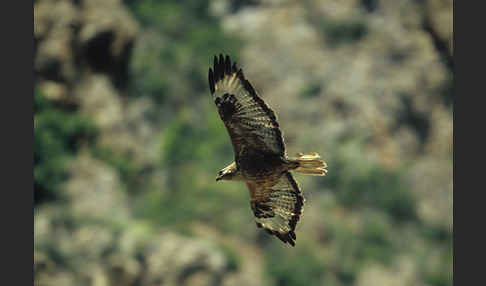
<point>255,165</point>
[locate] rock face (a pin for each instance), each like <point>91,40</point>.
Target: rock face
<point>73,37</point>
<point>379,71</point>
<point>71,250</point>
<point>82,52</point>
<point>375,70</point>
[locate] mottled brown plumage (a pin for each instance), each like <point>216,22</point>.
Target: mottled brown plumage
<point>260,157</point>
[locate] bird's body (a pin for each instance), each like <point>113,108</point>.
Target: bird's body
<point>260,157</point>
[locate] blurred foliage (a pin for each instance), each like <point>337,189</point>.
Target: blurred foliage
<point>336,32</point>
<point>299,267</point>
<point>186,36</point>
<point>128,170</point>
<point>234,260</point>
<point>191,152</point>
<point>236,5</point>
<point>370,5</point>
<point>358,247</point>
<point>312,90</point>
<point>169,65</point>
<point>58,134</point>
<point>359,183</point>
<point>343,32</point>
<point>180,148</point>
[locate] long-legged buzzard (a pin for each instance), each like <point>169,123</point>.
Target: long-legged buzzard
<point>260,157</point>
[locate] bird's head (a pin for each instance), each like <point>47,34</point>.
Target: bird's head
<point>227,173</point>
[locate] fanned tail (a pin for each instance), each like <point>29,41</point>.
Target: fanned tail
<point>310,164</point>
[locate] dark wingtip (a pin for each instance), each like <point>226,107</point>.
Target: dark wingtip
<point>211,80</point>
<point>291,242</point>
<point>240,75</point>
<point>292,234</point>
<point>215,69</point>
<point>286,238</point>
<point>222,66</point>
<point>227,65</point>
<point>291,238</point>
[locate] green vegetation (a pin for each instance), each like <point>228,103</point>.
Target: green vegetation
<point>343,32</point>
<point>299,267</point>
<point>58,135</point>
<point>362,213</point>
<point>312,90</point>
<point>200,138</point>
<point>122,163</point>
<point>335,32</point>
<point>234,261</point>
<point>360,183</point>
<point>171,64</point>
<point>192,153</point>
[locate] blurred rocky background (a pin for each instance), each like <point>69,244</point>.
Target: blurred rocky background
<point>128,141</point>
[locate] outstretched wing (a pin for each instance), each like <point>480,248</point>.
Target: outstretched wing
<point>277,208</point>
<point>251,124</point>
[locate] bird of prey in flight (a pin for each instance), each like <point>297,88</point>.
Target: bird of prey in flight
<point>260,157</point>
